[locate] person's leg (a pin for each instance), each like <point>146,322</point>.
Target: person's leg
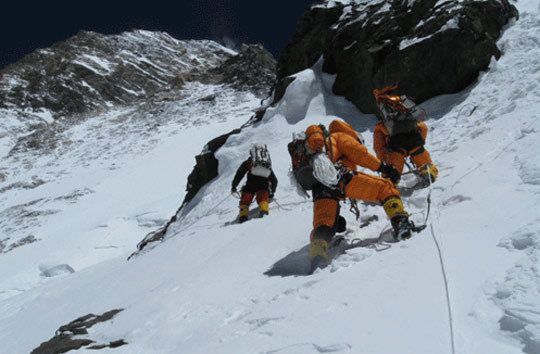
<point>325,213</point>
<point>370,188</point>
<point>245,202</point>
<point>262,200</point>
<point>376,189</point>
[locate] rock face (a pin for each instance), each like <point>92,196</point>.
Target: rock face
<point>70,337</point>
<point>90,71</point>
<point>428,47</point>
<point>204,171</point>
<point>253,69</point>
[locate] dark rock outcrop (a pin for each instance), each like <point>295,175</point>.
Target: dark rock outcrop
<point>64,340</point>
<point>205,170</point>
<point>428,47</point>
<point>253,69</point>
<point>206,167</point>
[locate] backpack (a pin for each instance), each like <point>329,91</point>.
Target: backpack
<point>400,114</point>
<point>310,169</point>
<point>261,164</point>
<point>300,159</point>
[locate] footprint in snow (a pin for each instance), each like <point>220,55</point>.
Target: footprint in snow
<point>49,272</point>
<point>520,241</point>
<point>312,348</point>
<point>456,199</point>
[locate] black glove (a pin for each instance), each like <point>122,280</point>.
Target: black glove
<point>389,172</point>
<point>271,195</point>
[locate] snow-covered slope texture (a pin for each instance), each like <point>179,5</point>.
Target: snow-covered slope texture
<point>204,290</point>
<point>92,189</point>
<point>81,189</point>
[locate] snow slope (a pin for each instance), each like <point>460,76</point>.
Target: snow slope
<point>204,290</point>
<point>105,182</point>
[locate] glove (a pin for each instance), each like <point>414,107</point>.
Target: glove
<point>389,172</point>
<point>271,195</point>
<point>233,190</point>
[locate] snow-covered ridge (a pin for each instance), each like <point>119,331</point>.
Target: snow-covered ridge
<point>90,71</point>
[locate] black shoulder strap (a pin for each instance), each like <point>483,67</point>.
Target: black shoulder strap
<point>327,141</point>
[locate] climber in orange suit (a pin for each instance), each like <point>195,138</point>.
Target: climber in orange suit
<point>408,138</point>
<point>343,146</point>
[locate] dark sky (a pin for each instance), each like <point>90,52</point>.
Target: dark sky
<point>28,25</point>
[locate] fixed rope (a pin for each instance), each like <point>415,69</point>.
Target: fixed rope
<point>443,270</point>
<point>447,291</point>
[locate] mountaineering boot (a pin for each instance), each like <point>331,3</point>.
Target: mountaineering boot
<point>242,219</point>
<point>264,209</point>
<point>427,174</point>
<point>318,254</point>
<point>399,218</point>
<point>318,248</point>
<point>403,228</point>
<point>244,212</point>
<point>393,206</point>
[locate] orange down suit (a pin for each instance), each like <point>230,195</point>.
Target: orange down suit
<point>343,145</point>
<point>419,156</point>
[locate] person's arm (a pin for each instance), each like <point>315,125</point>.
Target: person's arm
<point>357,153</point>
<point>423,130</point>
<point>240,173</point>
<point>273,182</point>
<point>379,142</point>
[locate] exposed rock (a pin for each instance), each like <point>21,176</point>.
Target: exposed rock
<point>253,69</point>
<point>310,40</point>
<point>34,183</point>
<point>281,88</point>
<point>428,47</point>
<point>64,340</point>
<point>90,71</point>
<point>205,170</point>
<point>5,247</point>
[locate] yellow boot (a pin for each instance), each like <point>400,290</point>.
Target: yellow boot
<point>318,248</point>
<point>393,207</point>
<point>244,212</point>
<point>264,208</point>
<point>399,218</point>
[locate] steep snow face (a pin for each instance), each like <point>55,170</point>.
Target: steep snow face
<point>204,290</point>
<point>86,190</point>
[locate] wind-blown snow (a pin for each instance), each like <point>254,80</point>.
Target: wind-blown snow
<point>204,289</point>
